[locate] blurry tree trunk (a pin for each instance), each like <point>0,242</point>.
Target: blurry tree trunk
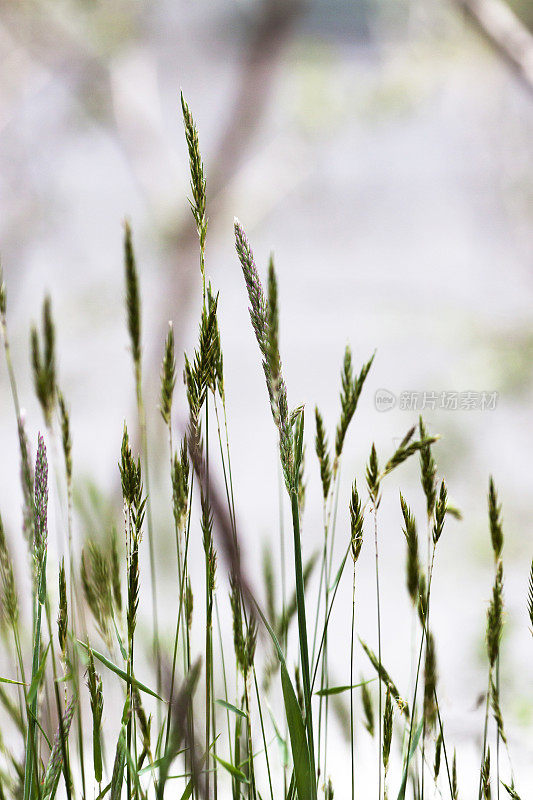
<point>266,39</point>
<point>505,32</point>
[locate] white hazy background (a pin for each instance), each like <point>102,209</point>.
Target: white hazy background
<point>384,153</point>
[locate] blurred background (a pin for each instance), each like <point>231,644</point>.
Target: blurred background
<point>383,150</point>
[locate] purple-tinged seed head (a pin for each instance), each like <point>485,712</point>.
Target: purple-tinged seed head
<point>253,285</point>
<point>41,495</point>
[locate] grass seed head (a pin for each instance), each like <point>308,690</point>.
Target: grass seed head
<point>441,509</point>
<point>406,449</point>
<point>495,617</point>
<point>430,683</point>
<point>96,696</point>
<point>44,364</point>
<point>496,531</point>
<point>351,389</point>
<point>97,587</point>
<point>189,604</point>
<point>168,376</point>
<point>132,486</point>
<point>40,542</point>
<point>511,791</point>
<point>218,359</point>
<point>115,570</point>
<point>9,591</point>
<point>386,678</point>
<point>207,537</point>
<point>239,644</point>
<point>62,619</point>
<point>251,641</point>
<point>387,729</point>
<point>133,590</point>
<point>55,761</point>
<point>133,301</point>
<point>438,750</point>
<point>413,563</point>
<point>272,338</point>
<point>422,599</point>
<point>258,313</point>
<point>65,434</point>
<point>356,520</point>
<point>485,777</point>
<point>321,447</point>
<point>262,317</point>
<point>372,476</point>
<point>496,710</point>
<point>198,182</point>
<point>180,486</point>
<point>368,709</point>
<point>428,472</point>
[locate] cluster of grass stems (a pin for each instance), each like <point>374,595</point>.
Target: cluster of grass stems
<point>175,738</point>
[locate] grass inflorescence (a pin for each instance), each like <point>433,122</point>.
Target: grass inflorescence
<point>245,715</point>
